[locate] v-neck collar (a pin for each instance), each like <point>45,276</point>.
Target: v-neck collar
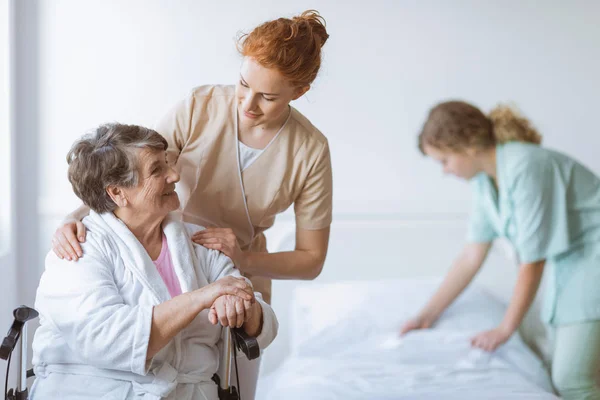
<point>264,150</point>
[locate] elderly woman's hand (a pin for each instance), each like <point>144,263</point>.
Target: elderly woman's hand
<point>66,239</point>
<point>235,287</point>
<point>223,240</point>
<point>235,313</point>
<point>230,311</point>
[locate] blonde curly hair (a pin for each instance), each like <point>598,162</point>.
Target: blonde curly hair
<point>456,125</point>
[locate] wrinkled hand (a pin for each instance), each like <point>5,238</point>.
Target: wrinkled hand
<point>223,240</point>
<point>227,286</point>
<point>230,311</point>
<point>491,340</point>
<point>419,322</point>
<point>66,239</point>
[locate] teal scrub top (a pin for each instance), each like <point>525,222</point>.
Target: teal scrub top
<point>548,206</point>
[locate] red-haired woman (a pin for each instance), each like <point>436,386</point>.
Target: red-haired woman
<point>245,155</point>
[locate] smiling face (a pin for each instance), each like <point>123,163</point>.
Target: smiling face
<point>154,195</point>
<point>461,164</point>
<point>263,94</point>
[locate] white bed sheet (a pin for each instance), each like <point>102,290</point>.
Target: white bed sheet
<point>346,346</point>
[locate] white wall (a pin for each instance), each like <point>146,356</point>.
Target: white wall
<point>7,266</point>
<point>4,137</point>
<point>6,261</point>
<point>386,64</point>
<point>4,129</point>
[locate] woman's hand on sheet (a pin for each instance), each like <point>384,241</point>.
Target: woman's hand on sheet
<point>419,322</point>
<point>223,240</point>
<point>491,340</point>
<point>66,239</point>
<point>229,285</point>
<point>230,311</point>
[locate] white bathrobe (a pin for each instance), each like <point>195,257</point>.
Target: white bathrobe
<point>96,316</point>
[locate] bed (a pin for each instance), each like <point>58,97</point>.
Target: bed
<point>339,334</point>
<point>345,345</point>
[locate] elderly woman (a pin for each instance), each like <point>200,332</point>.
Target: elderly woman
<point>137,316</point>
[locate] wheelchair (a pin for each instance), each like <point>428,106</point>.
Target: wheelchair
<point>234,340</point>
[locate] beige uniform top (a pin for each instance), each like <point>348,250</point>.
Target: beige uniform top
<point>202,132</point>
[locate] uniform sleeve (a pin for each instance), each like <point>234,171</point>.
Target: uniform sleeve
<point>538,197</point>
<point>313,206</point>
<point>81,300</point>
<point>175,127</point>
<point>480,229</point>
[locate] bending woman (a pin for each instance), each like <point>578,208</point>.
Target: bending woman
<point>548,206</point>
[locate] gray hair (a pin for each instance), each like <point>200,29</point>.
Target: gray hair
<point>106,158</point>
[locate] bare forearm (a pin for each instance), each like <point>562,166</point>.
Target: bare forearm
<point>297,264</point>
<point>528,282</point>
<point>461,273</point>
<point>457,279</point>
<point>170,317</point>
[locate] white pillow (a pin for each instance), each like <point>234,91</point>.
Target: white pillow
<point>346,312</point>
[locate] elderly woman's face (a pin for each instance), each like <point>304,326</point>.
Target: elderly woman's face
<point>155,192</point>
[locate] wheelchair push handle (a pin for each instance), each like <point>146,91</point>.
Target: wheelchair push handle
<point>245,343</point>
<point>18,331</point>
<point>22,314</point>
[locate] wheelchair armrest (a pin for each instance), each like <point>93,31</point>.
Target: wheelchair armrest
<point>245,343</point>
